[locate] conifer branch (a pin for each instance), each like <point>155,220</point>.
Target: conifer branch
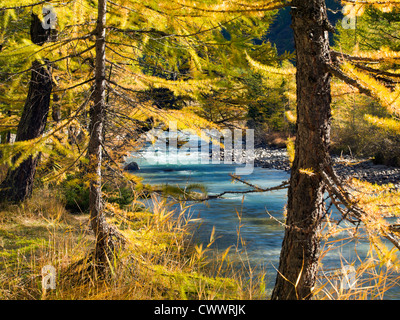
<point>61,42</point>
<point>350,81</point>
<point>283,185</point>
<point>74,86</point>
<point>121,87</point>
<point>133,10</point>
<point>73,55</point>
<point>336,56</point>
<point>146,31</point>
<point>23,6</point>
<point>248,8</point>
<point>339,196</point>
<point>163,34</point>
<point>375,71</point>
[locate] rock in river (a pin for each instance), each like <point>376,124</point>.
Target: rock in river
<point>132,166</point>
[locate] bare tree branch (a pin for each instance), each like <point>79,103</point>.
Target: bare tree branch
<point>354,83</point>
<point>343,56</point>
<point>283,185</point>
<point>23,6</point>
<point>340,196</point>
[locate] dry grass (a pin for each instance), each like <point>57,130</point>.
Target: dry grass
<point>367,276</point>
<point>159,260</point>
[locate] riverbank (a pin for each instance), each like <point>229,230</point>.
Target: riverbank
<point>345,166</point>
<point>159,260</point>
<point>244,220</point>
<point>271,157</point>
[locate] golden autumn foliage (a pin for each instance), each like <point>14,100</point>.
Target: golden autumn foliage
<point>209,80</point>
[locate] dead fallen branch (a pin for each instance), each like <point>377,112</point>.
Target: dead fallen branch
<point>255,188</point>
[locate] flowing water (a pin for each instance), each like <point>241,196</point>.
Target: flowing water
<point>260,214</point>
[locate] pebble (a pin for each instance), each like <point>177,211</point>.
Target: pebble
<point>345,166</point>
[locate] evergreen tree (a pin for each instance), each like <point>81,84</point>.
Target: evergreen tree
<point>374,30</point>
<point>18,184</point>
<point>305,208</point>
<point>167,28</point>
<point>179,48</point>
<point>312,173</point>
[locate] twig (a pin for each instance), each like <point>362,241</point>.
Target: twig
<point>336,189</point>
<point>283,185</point>
<point>354,83</point>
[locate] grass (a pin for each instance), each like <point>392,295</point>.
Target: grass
<point>370,275</point>
<point>159,260</point>
<point>361,279</point>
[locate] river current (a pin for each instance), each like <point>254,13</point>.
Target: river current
<point>261,214</point>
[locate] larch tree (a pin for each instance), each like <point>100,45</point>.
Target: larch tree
<point>376,29</point>
<point>200,75</point>
<point>18,184</point>
<point>305,208</point>
<point>115,88</point>
<point>138,26</point>
<point>312,174</point>
<point>104,243</point>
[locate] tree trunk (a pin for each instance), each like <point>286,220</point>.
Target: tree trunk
<point>305,209</point>
<point>6,135</point>
<point>18,184</point>
<point>104,244</point>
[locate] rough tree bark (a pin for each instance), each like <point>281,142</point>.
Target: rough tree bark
<point>18,184</point>
<point>300,247</point>
<point>104,241</point>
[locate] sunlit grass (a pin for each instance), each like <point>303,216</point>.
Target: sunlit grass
<point>370,275</point>
<point>158,261</point>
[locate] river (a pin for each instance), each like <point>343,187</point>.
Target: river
<point>260,214</point>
